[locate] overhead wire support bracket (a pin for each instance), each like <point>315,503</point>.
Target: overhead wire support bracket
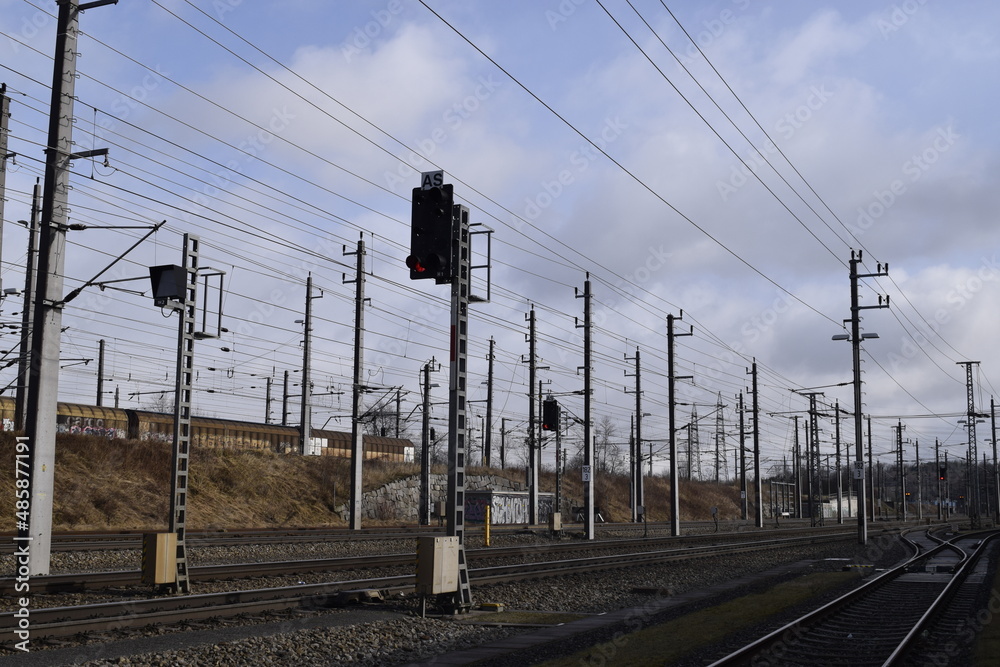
<point>488,265</point>
<point>93,281</point>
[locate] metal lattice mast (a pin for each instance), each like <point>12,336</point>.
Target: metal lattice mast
<point>720,426</point>
<point>836,441</point>
<point>588,440</point>
<point>971,415</point>
<point>694,446</point>
<point>743,459</point>
<point>456,399</point>
<point>183,379</point>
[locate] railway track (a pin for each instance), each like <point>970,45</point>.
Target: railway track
<point>877,623</point>
<point>71,620</point>
<point>97,541</point>
<point>80,582</point>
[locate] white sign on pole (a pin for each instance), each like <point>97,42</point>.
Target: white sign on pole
<point>586,473</point>
<point>859,470</point>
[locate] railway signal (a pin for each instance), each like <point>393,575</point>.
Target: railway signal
<point>431,233</point>
<point>550,414</point>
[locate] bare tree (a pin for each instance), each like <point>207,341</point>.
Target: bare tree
<point>608,454</point>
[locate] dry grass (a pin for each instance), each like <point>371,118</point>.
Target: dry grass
<point>117,484</point>
<point>611,494</point>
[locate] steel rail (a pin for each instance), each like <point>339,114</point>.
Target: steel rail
<point>78,582</point>
<point>799,627</point>
<point>65,621</point>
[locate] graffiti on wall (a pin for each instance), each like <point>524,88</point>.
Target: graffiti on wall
<point>87,426</point>
<point>505,508</point>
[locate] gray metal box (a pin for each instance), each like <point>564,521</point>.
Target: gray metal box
<point>437,565</point>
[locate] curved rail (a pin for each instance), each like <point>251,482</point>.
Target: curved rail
<point>873,624</point>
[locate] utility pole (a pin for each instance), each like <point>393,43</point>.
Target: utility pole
<point>100,372</point>
<point>399,406</point>
<point>675,496</point>
<point>306,407</point>
<point>27,310</point>
<point>534,454</point>
<point>996,472</point>
<point>267,399</point>
<point>974,501</point>
<point>920,510</point>
<point>503,443</point>
<point>284,402</point>
<point>797,462</point>
<point>357,389</point>
<point>488,428</point>
<point>871,474</point>
<point>758,490</point>
<point>425,447</point>
<point>938,476</point>
<point>836,439</point>
<point>902,472</point>
<point>744,508</point>
<point>588,441</point>
<point>856,338</point>
<point>636,448</point>
<point>43,376</point>
<point>4,155</point>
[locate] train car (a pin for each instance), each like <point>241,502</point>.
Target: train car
<point>338,443</point>
<point>7,413</point>
<point>92,420</point>
<point>78,419</point>
<point>108,422</point>
<point>230,434</point>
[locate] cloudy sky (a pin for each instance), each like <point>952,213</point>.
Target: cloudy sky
<point>717,158</point>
